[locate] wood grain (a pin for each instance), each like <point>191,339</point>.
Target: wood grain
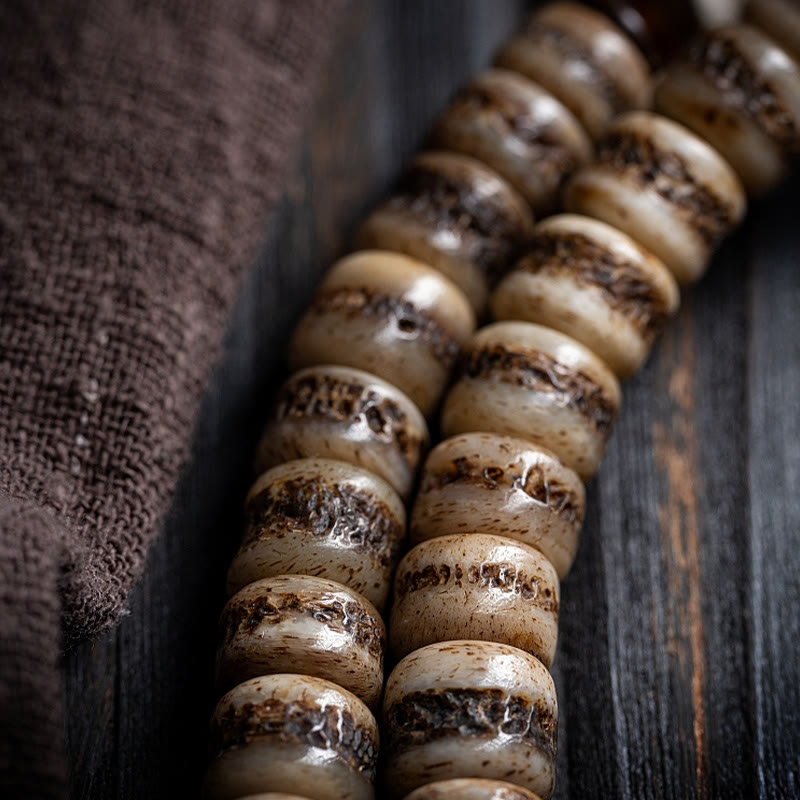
<point>678,668</point>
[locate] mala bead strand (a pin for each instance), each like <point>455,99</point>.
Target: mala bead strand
<point>292,733</point>
<point>281,631</point>
<point>518,129</point>
<point>466,708</point>
<point>663,162</point>
<point>583,59</point>
<point>740,91</point>
<point>666,188</point>
<point>288,726</point>
<point>475,584</point>
<point>464,714</point>
<point>309,651</point>
<point>389,315</point>
<point>594,283</point>
<point>455,214</point>
<point>325,518</point>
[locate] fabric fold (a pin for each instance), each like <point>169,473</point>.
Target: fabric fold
<point>142,148</point>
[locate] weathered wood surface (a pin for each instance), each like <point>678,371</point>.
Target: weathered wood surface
<point>678,668</point>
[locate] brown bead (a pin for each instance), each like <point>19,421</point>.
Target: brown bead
<point>467,709</point>
<point>521,379</point>
<point>475,586</point>
<point>659,29</point>
<point>317,516</point>
<point>594,283</point>
<point>349,415</point>
<point>292,733</point>
<point>455,214</point>
<point>740,91</point>
<point>303,624</point>
<point>391,316</point>
<point>665,187</point>
<point>503,485</point>
<point>584,59</point>
<point>518,129</point>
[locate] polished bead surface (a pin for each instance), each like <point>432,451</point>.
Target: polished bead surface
<point>471,789</point>
<point>350,415</point>
<point>466,709</point>
<point>317,516</point>
<point>475,586</point>
<point>292,733</point>
<point>665,187</point>
<point>780,20</point>
<point>518,129</point>
<point>740,91</point>
<point>456,214</point>
<point>303,624</point>
<point>522,379</point>
<point>391,316</point>
<point>502,485</point>
<point>594,283</point>
<point>584,59</point>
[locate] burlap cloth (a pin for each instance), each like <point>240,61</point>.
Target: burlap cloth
<point>142,146</point>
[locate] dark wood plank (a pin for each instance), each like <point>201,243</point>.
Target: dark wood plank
<point>645,588</point>
<point>90,691</point>
<point>583,671</point>
<point>724,742</point>
<point>773,588</point>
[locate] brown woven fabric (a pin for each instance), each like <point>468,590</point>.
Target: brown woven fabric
<point>142,145</point>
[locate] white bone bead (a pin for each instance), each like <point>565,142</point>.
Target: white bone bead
<point>741,92</point>
<point>292,733</point>
<point>346,414</point>
<point>389,315</point>
<point>594,283</point>
<point>321,517</point>
<point>502,485</point>
<point>467,709</point>
<point>518,129</point>
<point>522,379</point>
<point>584,59</point>
<point>471,789</point>
<point>298,623</point>
<point>663,186</point>
<point>455,214</point>
<point>475,586</point>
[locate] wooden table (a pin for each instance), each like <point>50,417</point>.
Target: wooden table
<point>678,668</point>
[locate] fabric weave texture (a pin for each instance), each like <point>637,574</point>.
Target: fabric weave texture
<point>143,144</point>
